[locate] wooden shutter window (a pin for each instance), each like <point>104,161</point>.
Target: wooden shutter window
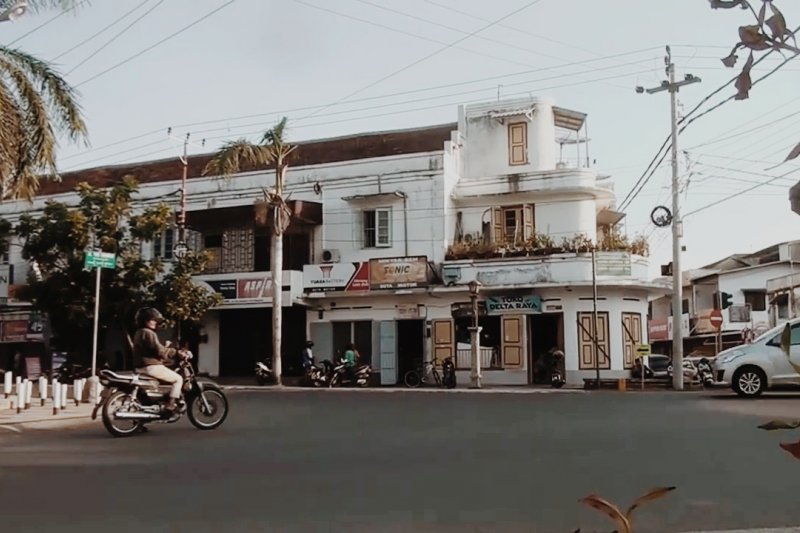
<point>529,224</point>
<point>498,225</point>
<point>518,143</point>
<point>586,344</point>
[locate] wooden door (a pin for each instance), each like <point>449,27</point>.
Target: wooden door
<point>443,339</point>
<point>513,338</point>
<point>586,345</point>
<point>631,336</point>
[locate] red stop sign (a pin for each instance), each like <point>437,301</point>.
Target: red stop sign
<point>715,318</point>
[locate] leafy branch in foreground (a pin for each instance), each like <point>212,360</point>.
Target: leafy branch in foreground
<point>623,521</point>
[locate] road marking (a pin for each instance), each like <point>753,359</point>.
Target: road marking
<point>10,428</point>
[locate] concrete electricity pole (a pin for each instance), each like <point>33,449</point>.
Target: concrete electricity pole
<point>677,224</point>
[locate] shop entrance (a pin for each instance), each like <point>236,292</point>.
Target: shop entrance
<point>546,332</point>
<point>410,346</point>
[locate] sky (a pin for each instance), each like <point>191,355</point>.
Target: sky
<point>224,69</point>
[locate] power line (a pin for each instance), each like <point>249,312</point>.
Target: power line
<point>115,37</point>
<point>45,23</point>
<point>424,58</point>
<point>165,39</point>
<point>98,33</point>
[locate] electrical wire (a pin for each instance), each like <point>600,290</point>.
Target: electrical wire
<point>422,59</point>
<point>45,23</point>
<point>98,33</point>
<point>162,41</point>
<point>115,37</point>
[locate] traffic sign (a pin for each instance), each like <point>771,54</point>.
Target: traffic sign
<point>180,250</point>
<point>643,350</point>
<point>715,318</point>
<point>96,259</point>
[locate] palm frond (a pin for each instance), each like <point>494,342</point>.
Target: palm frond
<point>37,6</point>
<point>234,155</point>
<point>275,136</point>
<point>60,97</point>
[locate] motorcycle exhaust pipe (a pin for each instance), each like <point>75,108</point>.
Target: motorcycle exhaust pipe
<point>136,416</point>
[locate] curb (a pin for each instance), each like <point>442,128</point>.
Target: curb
<point>376,390</point>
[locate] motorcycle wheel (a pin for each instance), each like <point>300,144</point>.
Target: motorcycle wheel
<point>217,411</point>
<point>557,382</point>
<point>118,428</point>
<point>412,379</point>
<point>261,380</point>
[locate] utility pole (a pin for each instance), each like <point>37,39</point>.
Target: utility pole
<point>677,223</point>
<point>182,216</point>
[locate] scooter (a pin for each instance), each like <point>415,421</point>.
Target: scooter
<point>357,376</point>
<point>705,373</point>
<point>556,377</point>
<point>263,373</point>
<point>319,375</point>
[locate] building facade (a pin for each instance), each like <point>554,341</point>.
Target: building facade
<point>389,229</point>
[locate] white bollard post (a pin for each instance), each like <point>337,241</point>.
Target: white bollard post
<point>76,391</point>
<point>8,383</point>
<point>64,391</point>
<point>28,393</point>
<point>56,396</point>
<point>17,384</point>
<point>43,389</point>
<point>20,397</point>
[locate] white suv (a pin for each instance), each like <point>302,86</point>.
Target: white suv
<point>750,369</point>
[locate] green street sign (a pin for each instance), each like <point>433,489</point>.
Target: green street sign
<point>100,260</point>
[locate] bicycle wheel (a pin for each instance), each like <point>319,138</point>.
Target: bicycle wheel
<point>412,379</point>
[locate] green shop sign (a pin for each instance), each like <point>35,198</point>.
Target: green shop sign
<point>499,305</point>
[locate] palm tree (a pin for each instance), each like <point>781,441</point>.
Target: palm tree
<point>273,149</point>
<point>36,104</point>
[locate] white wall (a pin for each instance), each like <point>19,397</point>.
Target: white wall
<point>487,138</point>
<point>751,278</point>
<point>208,352</point>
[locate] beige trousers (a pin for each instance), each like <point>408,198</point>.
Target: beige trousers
<point>162,373</point>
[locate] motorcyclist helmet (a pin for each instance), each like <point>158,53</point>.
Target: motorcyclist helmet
<point>146,314</point>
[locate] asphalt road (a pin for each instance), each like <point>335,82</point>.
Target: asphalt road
<point>354,461</point>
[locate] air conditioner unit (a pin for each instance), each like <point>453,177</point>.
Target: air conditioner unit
<point>330,256</point>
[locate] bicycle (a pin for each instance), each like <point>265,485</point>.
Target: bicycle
<point>415,378</point>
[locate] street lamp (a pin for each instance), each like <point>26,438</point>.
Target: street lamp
<point>14,12</point>
<point>475,338</point>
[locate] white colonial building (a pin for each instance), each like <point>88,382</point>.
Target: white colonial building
<point>389,230</point>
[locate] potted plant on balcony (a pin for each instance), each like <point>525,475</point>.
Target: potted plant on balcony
<point>578,244</point>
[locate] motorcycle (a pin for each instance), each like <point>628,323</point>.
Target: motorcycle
<point>356,376</point>
<point>556,377</point>
<point>69,372</point>
<point>130,400</point>
<point>449,373</point>
<point>705,373</point>
<point>263,373</point>
<point>319,375</point>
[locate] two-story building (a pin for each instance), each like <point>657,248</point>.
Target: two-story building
<point>390,228</point>
<point>749,282</point>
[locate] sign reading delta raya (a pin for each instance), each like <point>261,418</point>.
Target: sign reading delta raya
<point>398,272</point>
<point>347,277</point>
<point>498,305</point>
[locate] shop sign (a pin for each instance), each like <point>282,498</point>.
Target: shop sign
<point>408,311</point>
<point>659,330</point>
<point>498,305</point>
<point>613,263</point>
<point>247,289</point>
<point>398,272</point>
<point>15,330</point>
<point>329,277</point>
<point>226,288</point>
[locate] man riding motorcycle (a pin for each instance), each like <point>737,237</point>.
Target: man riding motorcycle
<point>150,356</point>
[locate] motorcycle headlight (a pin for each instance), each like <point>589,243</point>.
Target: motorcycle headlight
<point>730,356</point>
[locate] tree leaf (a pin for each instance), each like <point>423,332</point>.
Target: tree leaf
<point>772,425</point>
<point>649,496</point>
<point>752,37</point>
<point>730,61</point>
<point>794,153</point>
<point>727,4</point>
<point>743,82</point>
<point>762,13</point>
<point>777,23</point>
<point>792,447</point>
<point>610,510</point>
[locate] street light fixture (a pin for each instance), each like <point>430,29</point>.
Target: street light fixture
<point>14,12</point>
<point>475,340</point>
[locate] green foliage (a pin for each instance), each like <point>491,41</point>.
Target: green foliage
<point>103,218</point>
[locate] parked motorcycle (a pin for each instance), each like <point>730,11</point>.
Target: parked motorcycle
<point>705,372</point>
<point>449,373</point>
<point>263,373</point>
<point>344,376</point>
<point>318,375</point>
<point>69,372</point>
<point>556,376</point>
<point>130,400</point>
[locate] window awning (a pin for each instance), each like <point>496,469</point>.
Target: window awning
<point>608,217</point>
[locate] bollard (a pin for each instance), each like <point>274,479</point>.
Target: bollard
<point>56,396</point>
<point>28,393</point>
<point>8,383</point>
<point>64,391</point>
<point>17,384</point>
<point>43,389</point>
<point>77,391</point>
<point>20,397</point>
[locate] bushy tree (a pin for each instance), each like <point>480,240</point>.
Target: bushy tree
<point>104,219</point>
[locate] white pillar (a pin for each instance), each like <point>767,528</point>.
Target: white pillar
<point>64,391</point>
<point>28,393</point>
<point>20,396</point>
<point>475,343</point>
<point>56,396</point>
<point>43,389</point>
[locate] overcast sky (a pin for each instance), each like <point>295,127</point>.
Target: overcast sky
<point>345,66</point>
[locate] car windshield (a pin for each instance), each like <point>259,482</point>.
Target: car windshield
<point>770,333</point>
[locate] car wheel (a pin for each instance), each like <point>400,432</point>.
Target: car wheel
<point>749,381</point>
